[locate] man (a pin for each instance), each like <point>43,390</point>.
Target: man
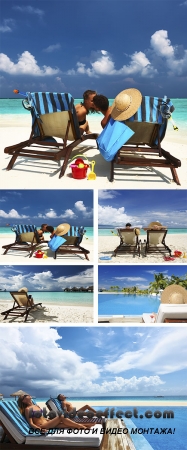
<point>83,108</point>
<point>45,229</point>
<point>69,407</point>
<point>101,104</point>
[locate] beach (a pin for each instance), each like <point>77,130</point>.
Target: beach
<point>44,174</point>
<point>124,403</point>
<point>17,256</point>
<point>51,313</point>
<point>106,246</point>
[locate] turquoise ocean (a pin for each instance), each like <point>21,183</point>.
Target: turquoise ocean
<point>57,298</point>
<point>110,231</point>
<point>6,231</point>
<point>13,106</point>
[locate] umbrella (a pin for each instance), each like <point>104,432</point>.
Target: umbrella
<point>18,393</point>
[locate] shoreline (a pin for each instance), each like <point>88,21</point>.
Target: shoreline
<point>124,403</point>
<point>57,314</point>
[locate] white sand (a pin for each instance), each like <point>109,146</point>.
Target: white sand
<point>51,313</point>
<point>124,403</point>
<point>106,246</point>
<point>37,174</point>
<point>16,256</point>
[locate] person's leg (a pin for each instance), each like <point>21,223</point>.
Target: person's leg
<point>87,407</point>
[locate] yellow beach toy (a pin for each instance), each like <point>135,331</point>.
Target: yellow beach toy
<point>92,174</point>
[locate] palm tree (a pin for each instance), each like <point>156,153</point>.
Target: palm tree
<point>160,282</point>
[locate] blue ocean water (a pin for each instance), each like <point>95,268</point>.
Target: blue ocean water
<point>7,231</point>
<point>110,231</point>
<point>14,106</point>
<point>127,304</point>
<point>57,298</point>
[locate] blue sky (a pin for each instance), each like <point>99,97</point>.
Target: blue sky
<point>107,45</point>
<point>140,276</point>
<point>46,206</point>
<point>46,361</point>
<point>47,279</point>
<point>140,207</point>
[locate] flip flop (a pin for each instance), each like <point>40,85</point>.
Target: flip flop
<point>168,258</point>
<point>105,257</point>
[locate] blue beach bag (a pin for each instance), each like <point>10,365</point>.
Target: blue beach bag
<point>111,139</point>
<point>55,242</point>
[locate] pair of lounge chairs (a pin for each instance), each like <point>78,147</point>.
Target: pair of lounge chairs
<point>22,306</point>
<point>54,115</point>
<point>130,242</point>
<point>16,428</point>
<point>28,240</point>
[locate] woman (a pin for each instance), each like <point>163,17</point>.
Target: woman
<point>30,411</point>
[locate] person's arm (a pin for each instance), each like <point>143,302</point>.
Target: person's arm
<point>106,118</point>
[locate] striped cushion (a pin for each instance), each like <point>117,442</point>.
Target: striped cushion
<point>149,111</point>
<point>51,102</point>
<point>18,229</point>
<point>10,409</point>
<point>76,232</point>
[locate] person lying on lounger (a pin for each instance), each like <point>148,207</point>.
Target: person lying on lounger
<point>30,411</point>
<point>69,407</point>
<point>101,104</point>
<point>83,108</point>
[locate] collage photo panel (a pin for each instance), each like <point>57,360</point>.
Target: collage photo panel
<point>93,225</point>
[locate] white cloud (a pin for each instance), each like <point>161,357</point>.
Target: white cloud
<point>45,280</point>
<point>160,357</point>
<point>104,65</point>
<point>24,363</point>
<point>105,194</point>
<point>161,44</point>
<point>26,65</point>
<point>52,48</point>
<point>113,216</point>
<point>161,56</point>
<point>7,26</point>
<point>69,213</point>
<point>13,214</point>
<point>130,278</point>
<point>29,10</point>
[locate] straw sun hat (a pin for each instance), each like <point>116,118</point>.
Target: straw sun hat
<point>23,289</point>
<point>174,294</point>
<point>126,104</point>
<point>62,229</point>
<point>155,224</point>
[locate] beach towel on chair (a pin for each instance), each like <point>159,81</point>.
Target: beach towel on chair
<point>113,136</point>
<point>18,229</point>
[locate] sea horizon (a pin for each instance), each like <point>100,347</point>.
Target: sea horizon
<point>110,230</point>
<point>13,106</point>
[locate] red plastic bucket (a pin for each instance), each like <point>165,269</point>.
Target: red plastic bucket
<point>79,172</point>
